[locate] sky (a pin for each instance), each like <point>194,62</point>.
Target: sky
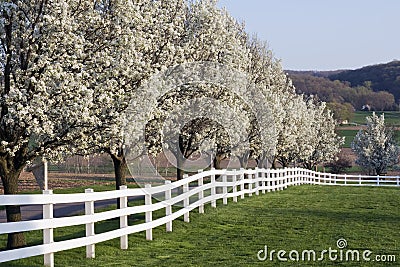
<point>323,34</point>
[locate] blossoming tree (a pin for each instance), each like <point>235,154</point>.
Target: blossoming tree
<point>148,42</point>
<point>376,146</point>
<point>47,102</point>
<point>57,58</point>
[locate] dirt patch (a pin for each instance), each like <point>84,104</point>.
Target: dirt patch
<point>356,128</point>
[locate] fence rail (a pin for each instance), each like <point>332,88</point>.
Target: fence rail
<point>190,193</point>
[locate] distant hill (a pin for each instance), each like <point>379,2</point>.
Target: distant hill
<point>374,87</point>
<point>341,92</point>
<point>324,74</point>
<point>381,77</point>
<point>311,83</point>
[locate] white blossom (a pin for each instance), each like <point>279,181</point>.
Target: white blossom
<point>375,146</point>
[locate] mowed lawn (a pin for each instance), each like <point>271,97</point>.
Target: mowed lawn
<point>298,218</point>
<point>350,134</point>
<point>391,117</point>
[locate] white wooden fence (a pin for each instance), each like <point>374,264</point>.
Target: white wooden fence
<point>195,192</point>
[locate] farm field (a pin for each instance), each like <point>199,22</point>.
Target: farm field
<point>299,218</point>
<point>350,134</point>
<point>392,118</point>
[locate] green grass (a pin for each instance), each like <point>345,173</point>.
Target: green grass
<point>391,117</point>
<point>299,218</point>
<point>348,136</point>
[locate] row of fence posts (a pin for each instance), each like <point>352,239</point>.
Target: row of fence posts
<point>295,177</point>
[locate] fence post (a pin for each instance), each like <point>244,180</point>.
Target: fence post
<point>398,181</point>
<point>201,193</point>
<point>345,178</point>
<point>285,175</point>
<point>294,172</point>
<point>300,172</point>
<point>286,179</point>
<point>89,210</point>
<point>213,189</point>
<point>297,172</point>
<point>269,180</point>
<point>257,183</point>
<point>234,188</point>
<point>303,178</point>
<point>290,173</point>
<point>263,181</point>
<point>306,176</point>
<point>168,208</point>
<point>250,177</point>
<point>242,183</point>
<point>312,177</point>
<point>280,181</point>
<point>359,179</point>
<point>224,189</point>
<point>186,199</point>
<point>123,220</point>
<point>316,181</point>
<point>48,236</point>
<point>148,214</point>
<point>273,180</point>
<point>377,180</point>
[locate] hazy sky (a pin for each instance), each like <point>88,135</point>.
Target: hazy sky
<point>324,34</point>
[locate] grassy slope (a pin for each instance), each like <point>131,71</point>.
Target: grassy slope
<point>305,217</point>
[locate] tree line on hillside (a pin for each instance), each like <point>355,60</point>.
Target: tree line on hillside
<point>341,97</point>
<point>380,77</point>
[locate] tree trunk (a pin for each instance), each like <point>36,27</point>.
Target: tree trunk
<point>120,170</point>
<point>179,166</point>
<point>284,162</point>
<point>180,158</point>
<point>260,161</point>
<point>308,165</point>
<point>244,161</point>
<point>273,164</point>
<point>217,162</point>
<point>10,184</point>
<point>379,171</point>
